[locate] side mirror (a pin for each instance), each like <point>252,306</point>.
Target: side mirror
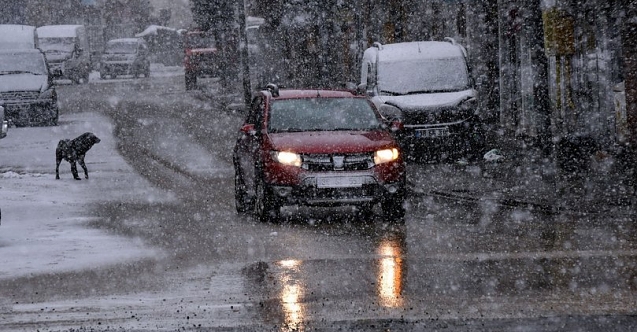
<point>396,126</point>
<point>361,89</point>
<point>248,129</point>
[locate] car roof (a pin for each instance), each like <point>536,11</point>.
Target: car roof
<point>21,51</point>
<point>418,50</point>
<point>65,30</point>
<point>313,93</point>
<point>125,40</point>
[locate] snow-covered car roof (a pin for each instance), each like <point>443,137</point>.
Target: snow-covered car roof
<point>55,31</point>
<point>125,40</point>
<point>418,50</point>
<point>153,29</point>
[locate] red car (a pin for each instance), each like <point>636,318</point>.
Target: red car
<point>201,57</point>
<point>316,148</point>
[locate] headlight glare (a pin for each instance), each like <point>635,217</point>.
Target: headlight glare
<point>385,155</point>
<point>287,158</point>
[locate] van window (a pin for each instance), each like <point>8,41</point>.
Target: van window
<point>62,44</point>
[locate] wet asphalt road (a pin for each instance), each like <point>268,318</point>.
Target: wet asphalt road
<point>452,266</point>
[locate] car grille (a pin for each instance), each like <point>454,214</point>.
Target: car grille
<point>337,162</point>
<point>444,115</point>
<point>18,96</point>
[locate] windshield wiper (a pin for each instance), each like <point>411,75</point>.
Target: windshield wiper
<point>430,91</point>
<point>13,72</point>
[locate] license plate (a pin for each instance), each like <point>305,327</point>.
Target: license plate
<point>340,181</point>
<point>432,132</point>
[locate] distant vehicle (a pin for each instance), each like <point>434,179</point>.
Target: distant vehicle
<point>67,51</point>
<point>17,37</point>
<point>428,87</point>
<point>26,88</point>
<point>125,56</point>
<point>316,148</point>
<point>4,124</point>
<point>201,56</point>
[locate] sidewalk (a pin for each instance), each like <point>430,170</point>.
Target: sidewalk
<point>527,179</point>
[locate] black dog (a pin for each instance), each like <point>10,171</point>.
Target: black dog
<point>74,150</point>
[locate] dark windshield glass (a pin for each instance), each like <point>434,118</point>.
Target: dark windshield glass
<point>322,114</point>
<point>121,47</point>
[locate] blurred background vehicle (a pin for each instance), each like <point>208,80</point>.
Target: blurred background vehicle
<point>67,51</point>
<point>27,89</point>
<point>125,56</point>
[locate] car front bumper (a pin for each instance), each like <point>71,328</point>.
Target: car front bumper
<point>336,189</point>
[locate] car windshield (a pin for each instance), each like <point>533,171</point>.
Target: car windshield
<point>431,75</point>
<point>53,45</point>
<point>121,47</point>
<point>321,114</point>
<point>17,63</point>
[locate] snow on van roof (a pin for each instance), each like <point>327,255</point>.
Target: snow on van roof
<point>419,50</point>
<point>17,36</point>
<point>53,31</point>
<point>152,30</point>
<point>124,40</point>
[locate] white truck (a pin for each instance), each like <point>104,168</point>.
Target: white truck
<point>67,51</point>
<point>426,85</point>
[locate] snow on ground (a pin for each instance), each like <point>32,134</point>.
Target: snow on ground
<point>43,226</point>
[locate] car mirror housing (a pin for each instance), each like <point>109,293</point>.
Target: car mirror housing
<point>248,129</point>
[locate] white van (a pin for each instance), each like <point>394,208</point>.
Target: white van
<point>67,51</point>
<point>427,86</point>
<point>17,36</point>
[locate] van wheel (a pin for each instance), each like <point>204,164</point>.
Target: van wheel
<point>191,81</point>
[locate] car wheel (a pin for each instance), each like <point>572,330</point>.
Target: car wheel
<point>241,199</point>
<point>191,81</point>
<point>393,209</point>
<point>265,208</point>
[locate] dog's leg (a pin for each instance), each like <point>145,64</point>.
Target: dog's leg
<point>81,160</point>
<point>57,167</point>
<point>74,170</point>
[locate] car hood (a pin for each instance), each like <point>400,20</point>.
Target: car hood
<point>428,101</point>
<point>23,82</point>
<point>332,141</point>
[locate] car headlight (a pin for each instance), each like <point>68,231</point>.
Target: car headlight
<point>287,158</point>
<point>385,155</point>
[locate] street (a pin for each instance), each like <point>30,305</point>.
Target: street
<point>195,264</point>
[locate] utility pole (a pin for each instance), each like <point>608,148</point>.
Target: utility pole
<point>247,95</point>
<point>629,50</point>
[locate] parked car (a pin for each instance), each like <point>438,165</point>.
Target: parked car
<point>201,57</point>
<point>125,56</point>
<point>26,88</point>
<point>67,51</point>
<point>427,85</point>
<point>4,124</point>
<point>18,36</point>
<point>316,148</point>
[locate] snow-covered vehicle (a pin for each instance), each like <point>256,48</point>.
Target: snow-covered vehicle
<point>67,51</point>
<point>26,88</point>
<point>18,36</point>
<point>125,56</point>
<point>427,86</point>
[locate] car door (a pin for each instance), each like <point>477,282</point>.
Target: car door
<point>248,146</point>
